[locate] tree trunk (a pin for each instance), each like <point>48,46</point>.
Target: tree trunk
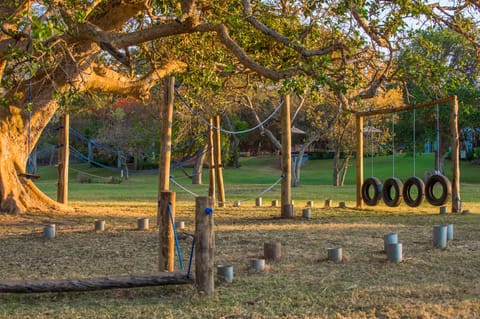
<point>18,193</point>
<point>345,164</point>
<point>336,167</point>
<point>234,160</point>
<point>198,167</point>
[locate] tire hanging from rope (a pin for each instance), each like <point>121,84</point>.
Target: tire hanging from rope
<point>437,178</point>
<point>392,191</point>
<point>414,184</point>
<point>372,186</point>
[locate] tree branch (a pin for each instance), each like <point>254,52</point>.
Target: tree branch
<point>109,81</point>
<point>247,12</point>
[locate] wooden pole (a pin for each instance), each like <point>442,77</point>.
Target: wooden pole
<point>63,159</point>
<point>166,250</point>
<point>456,203</point>
<point>359,160</point>
<point>204,245</point>
<point>211,162</point>
<point>287,207</point>
<point>166,139</point>
<point>218,162</point>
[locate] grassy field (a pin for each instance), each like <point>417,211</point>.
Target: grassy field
<point>429,283</point>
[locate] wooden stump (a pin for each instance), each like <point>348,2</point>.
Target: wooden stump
<point>335,254</point>
<point>342,205</point>
<point>328,203</point>
<point>258,202</point>
<point>310,203</point>
<point>272,250</point>
<point>274,203</point>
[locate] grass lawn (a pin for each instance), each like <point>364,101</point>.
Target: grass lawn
<point>428,283</point>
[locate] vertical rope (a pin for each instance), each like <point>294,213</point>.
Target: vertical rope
<point>177,245</point>
<point>414,145</point>
<point>438,137</point>
<point>192,250</point>
<point>393,144</point>
<point>371,147</point>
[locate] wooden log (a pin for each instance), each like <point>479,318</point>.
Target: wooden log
<point>359,160</point>
<point>99,283</point>
<point>211,162</point>
<point>63,159</point>
<point>286,187</point>
<point>204,245</point>
<point>456,203</point>
<point>166,240</point>
<point>218,162</point>
<point>165,155</point>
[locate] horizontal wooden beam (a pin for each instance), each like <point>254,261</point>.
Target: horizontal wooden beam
<point>449,99</point>
<point>99,283</point>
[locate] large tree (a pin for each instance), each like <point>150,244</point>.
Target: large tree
<point>52,48</point>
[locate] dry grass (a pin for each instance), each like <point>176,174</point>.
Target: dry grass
<point>429,283</point>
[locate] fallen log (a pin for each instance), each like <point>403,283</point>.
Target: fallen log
<point>99,283</point>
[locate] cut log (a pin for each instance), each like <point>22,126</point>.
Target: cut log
<point>99,283</point>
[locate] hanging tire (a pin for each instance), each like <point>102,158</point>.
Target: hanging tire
<point>413,182</point>
<point>396,185</point>
<point>446,190</point>
<point>377,191</point>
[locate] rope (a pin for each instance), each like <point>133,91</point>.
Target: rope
<point>221,129</point>
<point>393,145</point>
<point>177,245</point>
<point>191,257</point>
<point>438,138</point>
<point>414,145</point>
<point>182,187</point>
<point>262,192</point>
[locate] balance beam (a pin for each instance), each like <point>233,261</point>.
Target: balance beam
<point>99,283</point>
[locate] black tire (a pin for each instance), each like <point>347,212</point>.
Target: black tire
<point>396,185</point>
<point>407,187</point>
<point>377,191</point>
<point>446,190</point>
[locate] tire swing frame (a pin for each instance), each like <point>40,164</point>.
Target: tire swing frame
<point>407,187</point>
<point>452,102</point>
<point>446,190</point>
<point>395,184</point>
<point>377,191</point>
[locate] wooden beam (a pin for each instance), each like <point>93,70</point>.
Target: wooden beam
<point>218,162</point>
<point>63,159</point>
<point>456,203</point>
<point>359,160</point>
<point>286,187</point>
<point>204,245</point>
<point>405,107</point>
<point>166,250</point>
<point>211,162</point>
<point>165,139</point>
<point>99,283</point>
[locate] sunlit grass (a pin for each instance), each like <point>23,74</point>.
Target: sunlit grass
<point>429,283</point>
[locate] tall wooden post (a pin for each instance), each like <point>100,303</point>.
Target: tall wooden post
<point>218,162</point>
<point>204,245</point>
<point>287,207</point>
<point>63,159</point>
<point>166,139</point>
<point>211,162</point>
<point>359,159</point>
<point>456,203</point>
<point>166,250</point>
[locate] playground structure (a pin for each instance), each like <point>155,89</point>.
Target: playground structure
<point>455,149</point>
<point>204,236</point>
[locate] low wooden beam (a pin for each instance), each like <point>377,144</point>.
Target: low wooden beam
<point>99,283</point>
